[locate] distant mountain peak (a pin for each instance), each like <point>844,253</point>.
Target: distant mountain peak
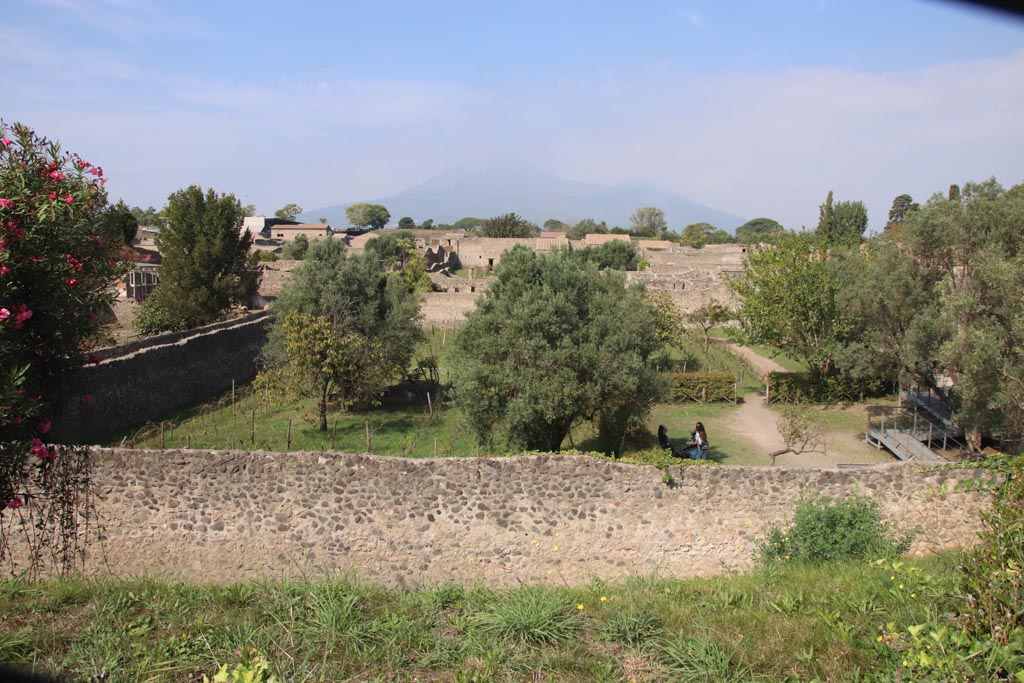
<point>489,186</point>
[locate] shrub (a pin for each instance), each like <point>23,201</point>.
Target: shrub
<point>798,387</point>
<point>824,529</point>
<point>58,260</point>
<point>266,256</point>
<point>703,387</point>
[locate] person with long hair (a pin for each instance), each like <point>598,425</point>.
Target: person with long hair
<point>697,448</point>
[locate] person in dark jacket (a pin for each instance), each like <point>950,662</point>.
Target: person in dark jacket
<point>664,442</point>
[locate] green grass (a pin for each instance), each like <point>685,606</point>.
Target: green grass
<point>789,623</point>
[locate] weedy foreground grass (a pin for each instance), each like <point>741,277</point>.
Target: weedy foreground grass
<point>783,623</point>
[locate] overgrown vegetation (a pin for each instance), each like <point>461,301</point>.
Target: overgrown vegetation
<point>825,530</point>
<point>922,304</point>
<point>785,623</point>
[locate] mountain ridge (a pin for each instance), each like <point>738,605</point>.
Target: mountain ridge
<point>486,188</point>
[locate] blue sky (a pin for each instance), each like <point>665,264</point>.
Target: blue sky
<point>754,108</point>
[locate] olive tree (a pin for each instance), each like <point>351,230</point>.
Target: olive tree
<point>554,343</point>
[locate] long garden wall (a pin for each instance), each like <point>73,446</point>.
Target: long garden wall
<point>135,383</point>
<point>231,516</point>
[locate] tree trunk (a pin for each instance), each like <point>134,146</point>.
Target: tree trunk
<point>775,454</point>
<point>321,405</point>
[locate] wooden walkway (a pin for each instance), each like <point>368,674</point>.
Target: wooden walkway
<point>923,421</point>
<point>902,443</point>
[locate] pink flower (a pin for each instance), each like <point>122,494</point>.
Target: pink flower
<point>92,316</point>
<point>69,200</point>
<point>14,503</point>
<point>4,314</point>
<point>53,196</point>
<point>21,315</point>
<point>38,449</point>
<point>94,359</point>
<point>72,281</point>
<point>6,203</point>
<point>4,270</point>
<point>44,427</point>
<point>56,175</point>
<point>6,142</point>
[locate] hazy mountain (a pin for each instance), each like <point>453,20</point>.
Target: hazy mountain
<point>491,189</point>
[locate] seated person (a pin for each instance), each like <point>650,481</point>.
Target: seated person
<point>697,448</point>
<point>667,445</point>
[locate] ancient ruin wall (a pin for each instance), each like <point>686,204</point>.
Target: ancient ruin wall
<point>144,381</point>
<point>230,516</point>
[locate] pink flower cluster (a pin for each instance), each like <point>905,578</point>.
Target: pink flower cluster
<point>6,203</point>
<point>21,314</point>
<point>41,450</point>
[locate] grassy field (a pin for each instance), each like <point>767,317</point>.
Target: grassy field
<point>418,428</point>
<point>783,624</point>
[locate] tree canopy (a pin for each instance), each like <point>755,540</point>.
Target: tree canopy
<point>120,220</point>
<point>758,230</point>
<point>841,222</point>
<point>373,216</point>
<point>288,212</point>
<point>616,255</point>
<point>585,227</point>
<point>789,300</point>
<point>648,221</point>
<point>206,264</point>
<point>944,303</point>
<point>356,307</point>
<point>699,234</point>
<point>509,225</point>
<point>552,343</point>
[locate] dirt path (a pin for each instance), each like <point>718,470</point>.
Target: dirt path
<point>757,423</point>
<point>753,358</point>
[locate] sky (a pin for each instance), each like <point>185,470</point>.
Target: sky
<point>755,108</point>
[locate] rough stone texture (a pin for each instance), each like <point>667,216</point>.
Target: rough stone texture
<point>145,380</point>
<point>229,516</point>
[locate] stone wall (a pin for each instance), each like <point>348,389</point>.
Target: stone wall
<point>231,516</point>
<point>145,380</point>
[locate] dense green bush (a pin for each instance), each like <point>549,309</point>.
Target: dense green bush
<point>798,387</point>
<point>824,529</point>
<point>705,387</point>
<point>994,571</point>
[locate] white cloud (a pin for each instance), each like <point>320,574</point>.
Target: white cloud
<point>693,17</point>
<point>752,143</point>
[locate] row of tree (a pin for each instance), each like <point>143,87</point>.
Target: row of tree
<point>935,300</point>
